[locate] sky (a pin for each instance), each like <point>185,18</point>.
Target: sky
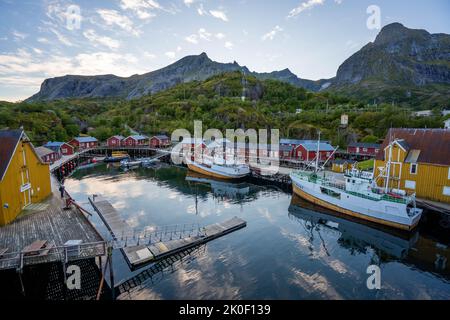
<point>50,38</point>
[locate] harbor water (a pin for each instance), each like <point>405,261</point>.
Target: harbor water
<point>288,250</point>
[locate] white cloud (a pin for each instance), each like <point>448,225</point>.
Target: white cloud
<point>149,55</point>
<point>19,35</point>
<point>38,51</point>
<point>188,2</point>
<point>229,45</point>
<point>201,10</point>
<point>271,35</point>
<point>23,66</point>
<point>219,15</point>
<point>307,5</point>
<point>93,37</point>
<point>338,1</point>
<point>219,36</point>
<point>43,40</point>
<point>144,9</point>
<point>202,34</point>
<point>112,17</point>
<point>193,38</point>
<point>170,54</point>
<point>62,38</point>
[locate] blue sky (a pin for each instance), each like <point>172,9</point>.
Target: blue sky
<point>41,39</point>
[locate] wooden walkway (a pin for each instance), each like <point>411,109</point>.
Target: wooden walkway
<point>48,222</point>
<point>140,249</point>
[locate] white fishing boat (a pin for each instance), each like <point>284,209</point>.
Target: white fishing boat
<point>218,168</point>
<point>359,196</point>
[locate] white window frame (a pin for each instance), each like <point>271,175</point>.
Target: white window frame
<point>411,166</point>
<point>409,184</point>
<point>448,173</point>
<point>446,191</point>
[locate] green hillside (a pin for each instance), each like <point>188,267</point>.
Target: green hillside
<point>218,102</point>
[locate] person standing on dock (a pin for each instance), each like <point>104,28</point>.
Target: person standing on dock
<point>62,190</point>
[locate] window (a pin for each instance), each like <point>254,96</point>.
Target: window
<point>413,168</point>
<point>410,184</point>
<point>446,191</point>
<point>365,149</point>
<point>448,173</point>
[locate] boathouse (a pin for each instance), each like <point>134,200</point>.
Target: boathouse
<point>64,149</point>
<point>83,143</point>
<point>24,177</point>
<point>48,155</point>
<point>363,149</point>
<point>135,141</point>
<point>160,141</point>
<point>115,141</point>
<point>341,165</point>
<point>420,162</point>
<point>307,151</point>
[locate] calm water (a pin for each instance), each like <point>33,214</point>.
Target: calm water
<point>289,249</point>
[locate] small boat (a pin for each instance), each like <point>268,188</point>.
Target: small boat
<point>127,163</point>
<point>117,156</point>
<point>218,168</point>
<point>359,196</point>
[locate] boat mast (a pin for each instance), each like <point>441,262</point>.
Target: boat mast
<point>318,154</point>
<point>388,174</point>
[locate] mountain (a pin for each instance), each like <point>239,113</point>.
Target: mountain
<point>187,69</point>
<point>401,64</point>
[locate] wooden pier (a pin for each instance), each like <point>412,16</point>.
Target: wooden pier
<point>143,247</point>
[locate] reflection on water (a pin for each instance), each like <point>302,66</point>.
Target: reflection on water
<point>289,249</point>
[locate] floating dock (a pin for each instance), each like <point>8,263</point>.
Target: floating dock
<point>139,250</point>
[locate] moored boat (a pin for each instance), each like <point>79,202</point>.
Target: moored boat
<point>218,168</point>
<point>359,196</point>
<point>117,156</point>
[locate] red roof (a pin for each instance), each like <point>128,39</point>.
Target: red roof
<point>8,140</point>
<point>434,144</point>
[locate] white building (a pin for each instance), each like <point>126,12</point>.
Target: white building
<point>447,124</point>
<point>424,113</point>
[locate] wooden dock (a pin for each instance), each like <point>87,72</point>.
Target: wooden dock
<point>139,249</point>
<point>52,223</point>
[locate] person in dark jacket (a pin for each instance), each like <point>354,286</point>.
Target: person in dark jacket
<point>62,189</point>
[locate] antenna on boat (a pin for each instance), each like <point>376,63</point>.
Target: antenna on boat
<point>318,153</point>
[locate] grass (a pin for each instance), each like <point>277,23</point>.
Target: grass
<point>366,165</point>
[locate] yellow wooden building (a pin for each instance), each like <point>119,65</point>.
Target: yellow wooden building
<point>24,178</point>
<point>420,162</point>
<point>341,166</point>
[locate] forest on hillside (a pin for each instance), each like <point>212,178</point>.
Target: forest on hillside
<point>218,102</point>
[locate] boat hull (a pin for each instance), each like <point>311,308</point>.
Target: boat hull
<point>301,192</point>
<point>207,171</point>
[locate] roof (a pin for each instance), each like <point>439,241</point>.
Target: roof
<point>309,146</point>
<point>117,137</point>
<point>43,151</point>
<point>192,141</point>
<point>365,145</point>
<point>284,147</point>
<point>291,141</point>
<point>138,137</point>
<point>299,141</point>
<point>161,137</point>
<point>8,140</point>
<point>343,161</point>
<point>86,139</point>
<point>434,144</point>
<point>53,144</point>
